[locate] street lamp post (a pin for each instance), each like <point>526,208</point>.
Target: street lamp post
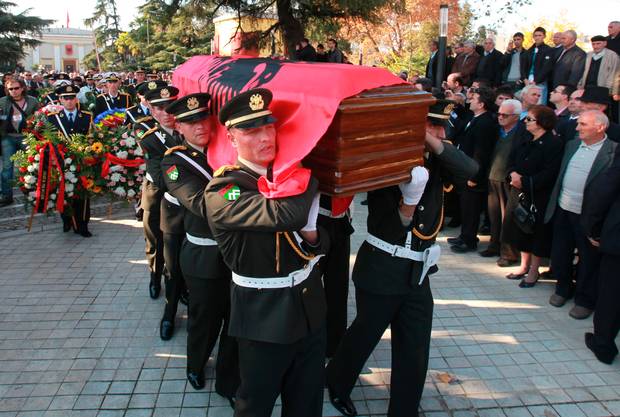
<point>443,40</point>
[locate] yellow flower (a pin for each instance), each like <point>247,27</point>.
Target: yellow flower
<point>96,189</point>
<point>97,147</point>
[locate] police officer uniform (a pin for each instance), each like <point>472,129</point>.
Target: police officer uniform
<point>336,270</point>
<point>154,144</point>
<point>186,174</point>
<point>277,299</point>
<point>392,288</point>
<point>70,123</point>
<point>106,102</point>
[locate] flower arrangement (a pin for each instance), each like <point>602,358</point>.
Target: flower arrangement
<point>110,119</point>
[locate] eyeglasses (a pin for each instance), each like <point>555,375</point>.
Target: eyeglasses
<point>530,119</point>
<point>14,88</point>
<point>505,114</point>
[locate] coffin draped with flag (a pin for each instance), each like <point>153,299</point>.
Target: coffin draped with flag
<point>357,128</point>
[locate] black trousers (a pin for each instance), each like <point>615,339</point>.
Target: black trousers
<point>335,267</point>
<point>80,214</point>
<point>295,371</point>
<point>154,242</point>
<point>452,206</point>
<point>607,314</point>
<point>472,204</point>
<point>568,235</point>
<point>410,317</point>
<point>209,309</point>
<point>497,200</point>
<point>175,283</point>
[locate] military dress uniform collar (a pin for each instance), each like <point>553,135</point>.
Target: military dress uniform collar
<point>255,168</point>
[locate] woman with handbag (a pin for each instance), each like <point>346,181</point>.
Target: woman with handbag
<point>532,171</point>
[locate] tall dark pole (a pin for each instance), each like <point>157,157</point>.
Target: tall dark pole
<point>443,40</point>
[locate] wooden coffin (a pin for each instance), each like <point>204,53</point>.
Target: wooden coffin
<point>374,140</point>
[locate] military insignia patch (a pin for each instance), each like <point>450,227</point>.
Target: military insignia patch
<point>192,103</point>
<point>256,102</point>
<point>173,173</point>
<point>152,85</point>
<point>231,192</point>
<point>164,93</point>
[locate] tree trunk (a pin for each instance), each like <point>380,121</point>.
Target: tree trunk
<point>291,28</point>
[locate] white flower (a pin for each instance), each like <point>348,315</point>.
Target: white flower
<point>53,196</point>
<point>69,176</point>
<point>119,191</point>
<point>68,161</point>
<point>37,157</point>
<point>122,154</point>
<point>30,168</point>
<point>138,151</point>
<point>72,168</point>
<point>115,168</point>
<point>30,179</point>
<point>131,193</point>
<point>131,142</point>
<point>69,187</point>
<point>116,177</point>
<point>142,167</point>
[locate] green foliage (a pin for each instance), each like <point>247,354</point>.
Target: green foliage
<point>16,33</point>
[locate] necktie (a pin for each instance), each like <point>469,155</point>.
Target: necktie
<point>71,118</point>
<point>533,61</point>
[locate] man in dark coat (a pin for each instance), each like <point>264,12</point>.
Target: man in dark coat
<point>601,221</point>
<point>272,246</point>
<point>306,52</point>
<point>538,63</point>
<point>392,274</point>
<point>490,64</point>
<point>477,141</point>
<point>569,66</point>
<point>466,63</point>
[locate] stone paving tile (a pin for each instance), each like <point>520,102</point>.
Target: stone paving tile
<point>79,338</point>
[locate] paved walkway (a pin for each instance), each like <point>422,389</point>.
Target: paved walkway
<point>79,337</point>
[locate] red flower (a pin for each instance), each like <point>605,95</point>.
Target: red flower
<point>23,170</point>
<point>90,161</point>
<point>31,158</point>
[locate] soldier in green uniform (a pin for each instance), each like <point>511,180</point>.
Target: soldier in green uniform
<point>154,144</point>
<point>186,174</point>
<point>138,117</point>
<point>71,120</point>
<point>272,247</point>
<point>113,99</point>
<point>390,275</point>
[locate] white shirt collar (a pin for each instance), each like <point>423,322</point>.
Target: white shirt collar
<point>254,167</point>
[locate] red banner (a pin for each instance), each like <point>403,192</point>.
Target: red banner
<point>306,97</point>
<point>114,160</point>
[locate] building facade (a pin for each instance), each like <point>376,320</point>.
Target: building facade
<point>61,49</point>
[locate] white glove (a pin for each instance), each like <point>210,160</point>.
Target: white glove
<point>413,190</point>
<point>312,215</point>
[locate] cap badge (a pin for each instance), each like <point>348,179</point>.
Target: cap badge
<point>164,93</point>
<point>192,103</point>
<point>448,109</point>
<point>256,102</point>
<point>152,85</point>
<point>69,89</point>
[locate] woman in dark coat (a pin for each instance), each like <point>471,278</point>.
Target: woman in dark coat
<point>536,161</point>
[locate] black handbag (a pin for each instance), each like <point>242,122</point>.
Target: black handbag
<point>525,212</point>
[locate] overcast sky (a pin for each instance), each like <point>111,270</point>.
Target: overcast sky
<point>591,16</point>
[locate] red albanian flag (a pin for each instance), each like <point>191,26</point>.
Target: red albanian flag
<point>306,96</point>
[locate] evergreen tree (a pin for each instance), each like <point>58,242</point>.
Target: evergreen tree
<point>16,33</point>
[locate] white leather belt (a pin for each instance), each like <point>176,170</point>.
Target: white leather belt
<point>200,241</point>
<point>429,257</point>
<point>148,177</point>
<point>170,198</point>
<point>289,281</point>
<point>328,213</point>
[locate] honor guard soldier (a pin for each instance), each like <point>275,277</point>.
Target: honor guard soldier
<point>113,99</point>
<point>186,174</point>
<point>154,144</point>
<point>390,275</point>
<point>272,247</point>
<point>69,121</point>
<point>58,81</point>
<point>139,117</point>
<point>335,270</point>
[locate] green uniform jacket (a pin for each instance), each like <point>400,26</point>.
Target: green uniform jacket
<point>154,144</point>
<point>187,184</point>
<point>246,225</point>
<point>381,273</point>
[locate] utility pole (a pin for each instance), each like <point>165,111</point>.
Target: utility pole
<point>443,40</point>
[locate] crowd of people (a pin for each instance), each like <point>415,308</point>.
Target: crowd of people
<point>522,140</point>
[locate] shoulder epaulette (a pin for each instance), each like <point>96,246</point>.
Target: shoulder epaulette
<point>144,119</point>
<point>129,108</point>
<point>100,95</point>
<point>148,132</point>
<point>54,113</point>
<point>86,112</point>
<point>174,149</point>
<point>224,169</point>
